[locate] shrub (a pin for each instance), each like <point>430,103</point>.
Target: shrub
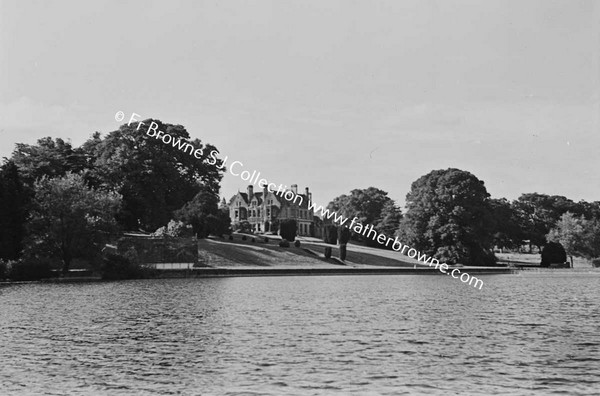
<point>30,270</point>
<point>284,243</point>
<point>244,226</point>
<point>343,235</point>
<point>596,262</point>
<point>297,244</point>
<point>3,269</point>
<point>231,237</point>
<point>132,255</point>
<point>287,229</point>
<point>217,224</point>
<point>553,253</point>
<point>253,240</point>
<point>330,234</point>
<point>328,252</point>
<point>266,240</point>
<point>274,227</point>
<point>244,237</point>
<point>343,252</point>
<point>174,229</point>
<point>116,266</point>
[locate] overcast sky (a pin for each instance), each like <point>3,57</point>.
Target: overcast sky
<point>335,95</point>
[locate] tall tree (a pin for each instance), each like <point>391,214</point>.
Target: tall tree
<point>507,227</point>
<point>569,232</point>
<point>389,219</point>
<point>204,215</point>
<point>371,206</point>
<point>591,210</point>
<point>49,157</point>
<point>154,178</point>
<point>449,217</point>
<point>366,204</point>
<point>538,213</point>
<point>70,219</point>
<point>14,204</point>
<point>578,235</point>
<point>591,238</point>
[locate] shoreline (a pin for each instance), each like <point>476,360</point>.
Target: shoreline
<point>265,272</point>
<point>237,272</point>
<point>223,272</point>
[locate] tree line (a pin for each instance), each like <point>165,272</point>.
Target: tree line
<point>59,202</point>
<point>451,216</point>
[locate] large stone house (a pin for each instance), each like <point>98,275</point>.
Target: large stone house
<point>261,209</point>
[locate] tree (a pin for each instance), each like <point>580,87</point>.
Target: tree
<point>330,234</point>
<point>569,232</point>
<point>288,229</point>
<point>14,204</point>
<point>591,210</point>
<point>49,157</point>
<point>219,223</point>
<point>343,237</point>
<point>370,206</point>
<point>449,217</point>
<point>591,238</point>
<point>387,223</point>
<point>204,215</point>
<point>578,235</point>
<point>538,213</point>
<point>507,229</point>
<point>69,219</point>
<point>366,204</point>
<point>154,178</point>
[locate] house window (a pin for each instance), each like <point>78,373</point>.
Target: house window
<point>236,214</point>
<point>268,212</point>
<point>258,212</point>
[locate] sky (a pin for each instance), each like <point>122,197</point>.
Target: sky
<point>333,95</point>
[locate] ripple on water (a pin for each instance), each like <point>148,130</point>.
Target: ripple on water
<point>302,335</point>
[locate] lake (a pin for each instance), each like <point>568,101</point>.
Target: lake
<point>533,333</point>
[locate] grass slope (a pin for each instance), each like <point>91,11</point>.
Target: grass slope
<point>216,252</point>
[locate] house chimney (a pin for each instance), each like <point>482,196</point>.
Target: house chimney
<point>295,188</point>
<point>250,192</point>
<point>306,190</point>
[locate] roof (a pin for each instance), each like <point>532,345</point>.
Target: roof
<point>278,195</point>
<point>257,195</point>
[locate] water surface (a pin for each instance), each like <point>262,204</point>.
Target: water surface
<point>388,335</point>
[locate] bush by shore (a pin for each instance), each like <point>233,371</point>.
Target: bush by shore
<point>116,266</point>
<point>21,270</point>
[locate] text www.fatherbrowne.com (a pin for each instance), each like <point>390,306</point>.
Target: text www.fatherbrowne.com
<point>253,178</point>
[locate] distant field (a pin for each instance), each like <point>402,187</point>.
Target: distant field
<point>535,259</point>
